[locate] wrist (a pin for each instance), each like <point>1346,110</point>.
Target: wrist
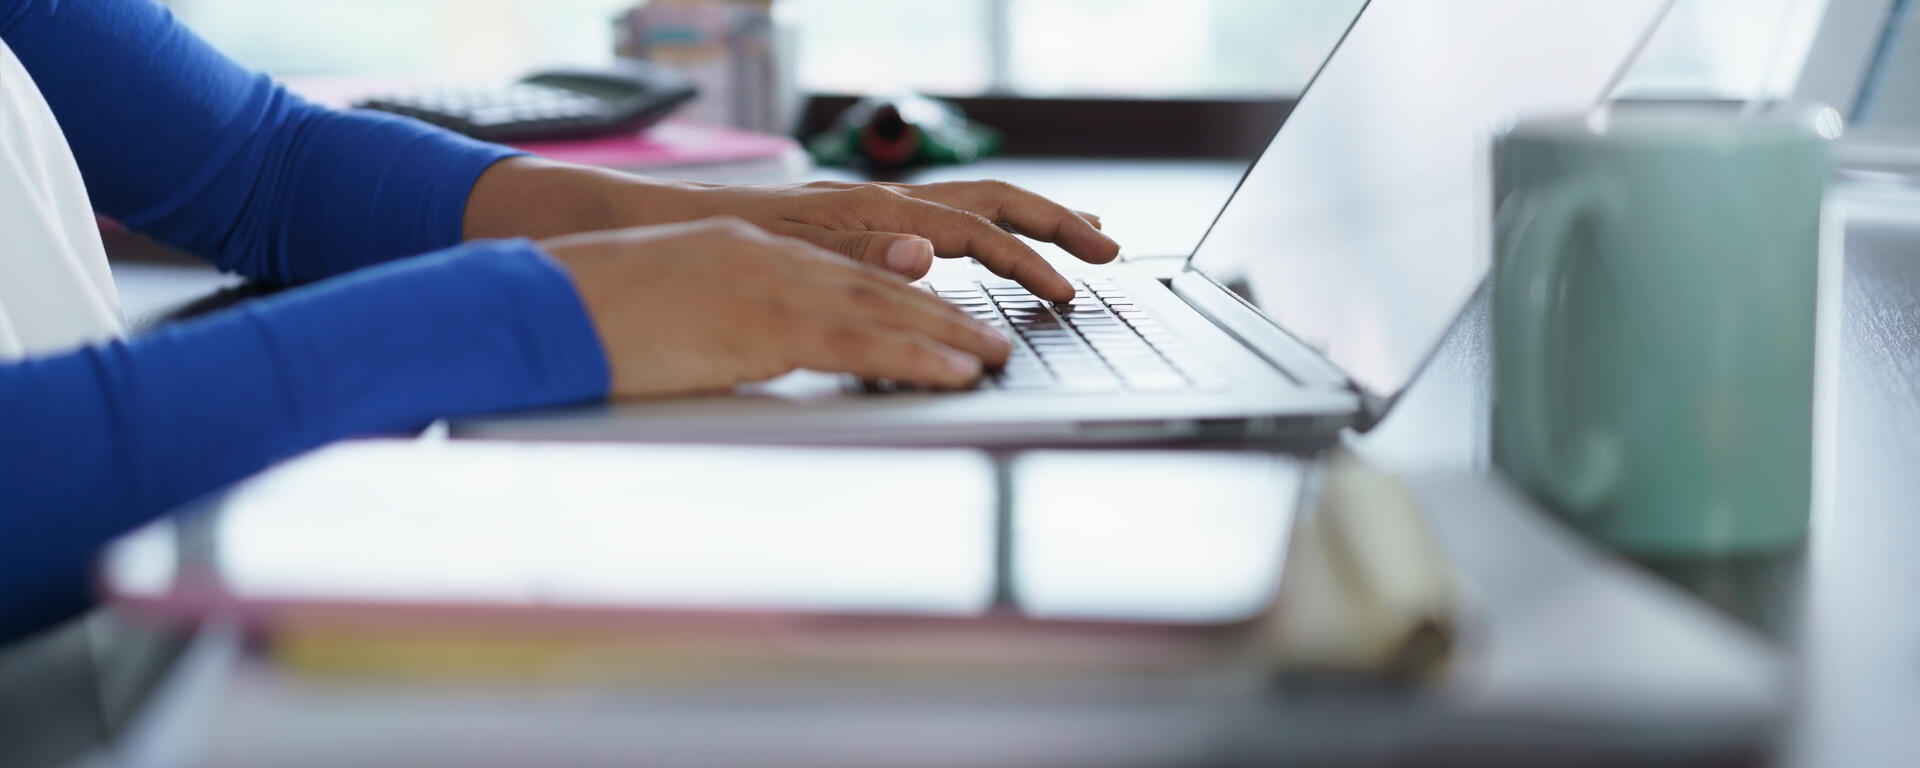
<point>645,202</point>
<point>538,199</point>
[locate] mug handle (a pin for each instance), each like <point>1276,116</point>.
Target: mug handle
<point>1537,227</point>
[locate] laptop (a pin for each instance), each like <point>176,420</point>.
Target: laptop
<point>1864,62</point>
<point>1322,287</point>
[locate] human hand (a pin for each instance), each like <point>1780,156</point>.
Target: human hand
<point>706,305</point>
<point>898,227</point>
<point>902,227</point>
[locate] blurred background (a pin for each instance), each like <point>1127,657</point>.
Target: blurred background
<point>1031,49</point>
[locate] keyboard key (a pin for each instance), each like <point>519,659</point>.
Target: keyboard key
<point>1138,363</point>
<point>1079,369</point>
<point>1091,369</point>
<point>1104,341</point>
<point>1087,377</point>
<point>1099,341</point>
<point>1076,360</point>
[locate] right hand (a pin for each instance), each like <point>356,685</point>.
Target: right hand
<point>704,306</point>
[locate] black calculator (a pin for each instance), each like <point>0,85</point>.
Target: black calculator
<point>550,105</point>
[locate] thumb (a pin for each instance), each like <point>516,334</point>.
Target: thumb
<point>909,256</point>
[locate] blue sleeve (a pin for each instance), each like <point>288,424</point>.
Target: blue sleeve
<point>97,442</point>
<point>179,142</point>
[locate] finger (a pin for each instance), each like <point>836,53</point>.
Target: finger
<point>891,305</point>
<point>883,353</point>
<point>1091,219</point>
<point>834,286</point>
<point>956,233</point>
<point>909,256</point>
<point>1028,213</point>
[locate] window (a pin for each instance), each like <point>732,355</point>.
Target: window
<point>1728,49</point>
<point>1146,48</point>
<point>481,38</point>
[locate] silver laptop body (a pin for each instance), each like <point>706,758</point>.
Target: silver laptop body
<point>1864,62</point>
<point>1324,284</point>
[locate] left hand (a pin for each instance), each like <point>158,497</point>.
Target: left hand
<point>902,227</point>
<point>898,227</point>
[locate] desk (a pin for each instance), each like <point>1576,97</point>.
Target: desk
<point>1853,647</point>
<point>1844,608</point>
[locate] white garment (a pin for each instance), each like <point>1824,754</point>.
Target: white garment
<point>56,292</point>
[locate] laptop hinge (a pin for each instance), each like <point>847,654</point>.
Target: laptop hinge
<point>1250,327</point>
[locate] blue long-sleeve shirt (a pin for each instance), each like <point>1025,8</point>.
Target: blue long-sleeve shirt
<point>177,141</point>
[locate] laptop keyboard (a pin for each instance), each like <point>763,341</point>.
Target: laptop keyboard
<point>1100,342</point>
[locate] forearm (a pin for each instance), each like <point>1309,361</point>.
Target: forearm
<point>101,440</point>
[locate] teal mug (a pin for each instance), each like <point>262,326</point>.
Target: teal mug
<point>1654,312</point>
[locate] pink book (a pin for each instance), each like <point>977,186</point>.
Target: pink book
<point>672,142</point>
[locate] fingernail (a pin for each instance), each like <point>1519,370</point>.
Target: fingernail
<point>963,365</point>
<point>910,256</point>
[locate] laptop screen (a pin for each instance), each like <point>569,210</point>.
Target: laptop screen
<point>1364,227</point>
